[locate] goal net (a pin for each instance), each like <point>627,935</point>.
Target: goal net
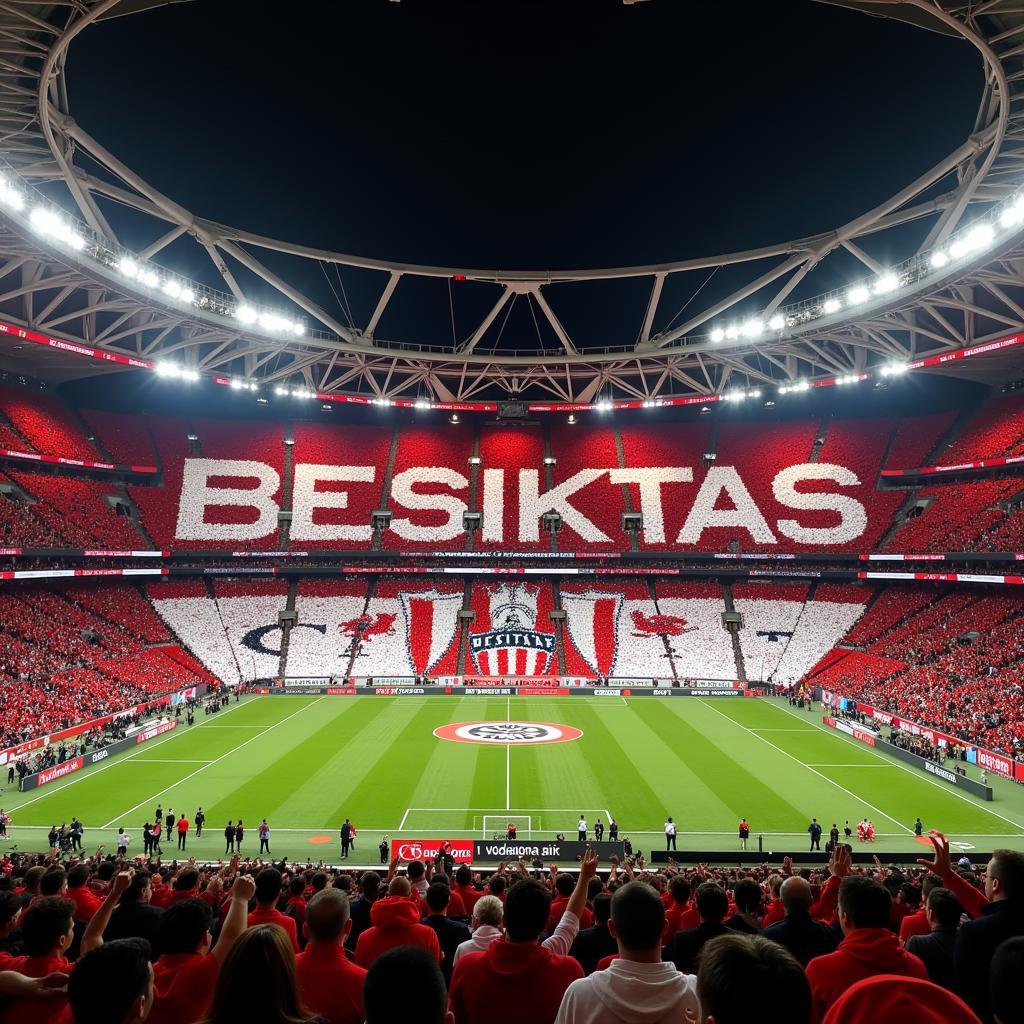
<point>495,826</point>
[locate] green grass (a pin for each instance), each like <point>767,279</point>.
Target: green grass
<point>306,763</point>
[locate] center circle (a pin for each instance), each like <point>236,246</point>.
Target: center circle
<point>507,733</point>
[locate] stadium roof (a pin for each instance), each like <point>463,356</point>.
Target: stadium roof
<point>65,273</point>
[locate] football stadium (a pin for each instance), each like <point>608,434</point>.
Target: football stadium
<point>511,512</point>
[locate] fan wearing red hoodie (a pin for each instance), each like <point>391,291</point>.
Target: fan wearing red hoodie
<point>395,921</point>
<point>868,948</point>
<point>516,979</point>
<point>329,984</point>
<point>268,892</point>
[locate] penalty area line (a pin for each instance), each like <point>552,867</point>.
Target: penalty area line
<point>917,775</point>
<point>821,775</point>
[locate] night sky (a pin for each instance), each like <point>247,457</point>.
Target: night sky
<point>521,134</point>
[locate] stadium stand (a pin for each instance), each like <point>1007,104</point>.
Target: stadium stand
<point>60,663</point>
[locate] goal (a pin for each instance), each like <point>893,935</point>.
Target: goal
<point>496,825</point>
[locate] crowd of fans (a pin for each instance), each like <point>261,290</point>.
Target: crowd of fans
<point>62,664</point>
<point>943,660</point>
<point>101,939</point>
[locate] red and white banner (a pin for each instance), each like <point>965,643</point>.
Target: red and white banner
<point>60,770</point>
<point>74,347</point>
<point>1013,460</point>
<point>155,730</point>
<point>426,849</point>
<point>943,577</point>
<point>50,574</point>
<point>57,460</point>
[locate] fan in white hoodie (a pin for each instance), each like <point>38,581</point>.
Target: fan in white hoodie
<point>638,988</point>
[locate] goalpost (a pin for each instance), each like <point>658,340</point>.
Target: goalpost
<point>492,825</point>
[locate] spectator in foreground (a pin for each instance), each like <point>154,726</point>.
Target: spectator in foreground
<point>329,984</point>
<point>747,977</point>
<point>804,937</point>
<point>258,981</point>
<point>892,999</point>
<point>637,987</point>
<point>1004,980</point>
<point>268,892</point>
<point>395,922</point>
<point>135,916</point>
<point>406,984</point>
<point>450,934</point>
<point>936,949</point>
<point>188,968</point>
<point>486,926</point>
<point>517,978</point>
<point>112,984</point>
<point>1002,919</point>
<point>869,948</point>
<point>746,894</point>
<point>594,943</point>
<point>685,947</point>
<point>47,929</point>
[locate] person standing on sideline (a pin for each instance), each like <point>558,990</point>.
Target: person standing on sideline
<point>229,837</point>
<point>918,827</point>
<point>171,819</point>
<point>182,827</point>
<point>147,840</point>
<point>123,839</point>
<point>613,831</point>
<point>199,819</point>
<point>670,834</point>
<point>76,834</point>
<point>239,833</point>
<point>158,814</point>
<point>581,829</point>
<point>512,832</point>
<point>744,833</point>
<point>814,830</point>
<point>383,848</point>
<point>598,830</point>
<point>346,838</point>
<point>154,846</point>
<point>264,834</point>
<point>833,835</point>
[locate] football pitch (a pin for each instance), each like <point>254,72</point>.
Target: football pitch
<point>308,762</point>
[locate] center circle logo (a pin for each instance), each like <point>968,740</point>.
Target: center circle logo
<point>508,733</point>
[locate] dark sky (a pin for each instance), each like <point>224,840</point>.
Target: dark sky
<point>521,134</point>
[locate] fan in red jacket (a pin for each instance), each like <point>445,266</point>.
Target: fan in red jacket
<point>329,984</point>
<point>395,921</point>
<point>516,979</point>
<point>868,949</point>
<point>268,892</point>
